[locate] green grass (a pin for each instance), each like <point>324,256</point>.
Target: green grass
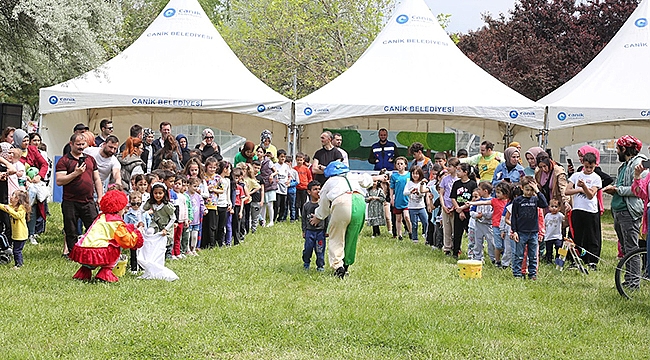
<point>255,301</point>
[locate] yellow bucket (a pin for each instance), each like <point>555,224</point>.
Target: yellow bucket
<point>120,268</point>
<point>470,269</point>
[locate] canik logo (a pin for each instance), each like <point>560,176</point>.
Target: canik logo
<point>53,100</point>
<point>169,12</point>
<point>561,116</point>
<point>308,111</point>
<point>402,19</point>
<point>261,108</point>
<point>641,22</point>
<point>514,114</point>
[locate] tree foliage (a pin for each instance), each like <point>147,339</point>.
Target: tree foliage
<point>544,43</point>
<point>306,40</point>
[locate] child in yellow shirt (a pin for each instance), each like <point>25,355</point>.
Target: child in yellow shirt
<point>18,211</point>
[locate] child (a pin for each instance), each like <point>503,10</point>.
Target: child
<point>137,218</point>
<point>525,227</point>
<point>446,184</point>
<point>506,230</point>
<point>19,211</point>
<point>461,194</point>
<point>503,192</point>
<point>434,230</point>
<point>471,227</point>
<point>183,217</point>
<point>399,201</point>
<point>314,235</point>
<point>375,200</point>
<point>416,190</point>
<point>483,215</point>
<point>304,178</point>
<point>282,170</point>
<point>162,214</point>
<point>585,215</point>
<point>553,223</point>
<point>240,196</point>
<point>224,202</point>
<point>291,191</point>
<point>256,193</point>
<point>17,181</point>
<point>199,210</point>
<point>269,176</point>
<point>211,218</point>
<point>141,185</point>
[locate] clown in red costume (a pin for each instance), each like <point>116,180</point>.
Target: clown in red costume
<point>100,245</point>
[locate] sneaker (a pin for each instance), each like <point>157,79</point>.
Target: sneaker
<point>592,266</point>
<point>182,256</point>
<point>269,224</point>
<point>400,238</point>
<point>134,272</point>
<point>447,253</point>
<point>340,272</point>
<point>305,266</point>
<point>372,237</point>
<point>174,257</point>
<point>533,278</point>
<point>32,240</point>
<point>415,241</point>
<point>320,269</point>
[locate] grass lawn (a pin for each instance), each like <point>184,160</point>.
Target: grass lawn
<point>402,300</point>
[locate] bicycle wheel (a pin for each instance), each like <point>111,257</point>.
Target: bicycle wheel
<point>631,276</point>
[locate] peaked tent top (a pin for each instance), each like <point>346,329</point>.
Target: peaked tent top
<point>615,84</point>
<point>414,68</point>
<point>180,61</point>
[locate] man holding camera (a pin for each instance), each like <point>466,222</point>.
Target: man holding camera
<point>79,177</point>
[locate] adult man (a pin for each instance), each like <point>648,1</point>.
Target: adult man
<point>107,164</point>
<point>417,151</point>
<point>78,129</point>
<point>627,209</point>
<point>338,139</point>
<point>165,129</point>
<point>79,176</point>
<point>106,128</point>
<point>134,132</point>
<point>383,152</point>
<point>324,156</point>
<point>487,161</point>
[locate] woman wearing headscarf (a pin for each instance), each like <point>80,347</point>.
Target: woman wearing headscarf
<point>183,148</point>
<point>552,180</point>
<point>509,170</point>
<point>265,142</point>
<point>247,154</point>
<point>531,157</point>
<point>208,147</point>
<point>604,177</point>
<point>148,137</point>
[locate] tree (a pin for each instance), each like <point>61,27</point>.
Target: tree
<point>544,43</point>
<point>44,42</point>
<point>309,41</point>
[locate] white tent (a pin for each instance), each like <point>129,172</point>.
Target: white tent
<point>610,97</point>
<point>413,77</point>
<point>180,70</point>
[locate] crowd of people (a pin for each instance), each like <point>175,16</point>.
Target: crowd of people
<point>198,200</point>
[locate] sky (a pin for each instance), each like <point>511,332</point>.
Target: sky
<point>466,14</point>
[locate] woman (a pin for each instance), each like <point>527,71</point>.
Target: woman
<point>510,170</point>
<point>131,162</point>
<point>147,149</point>
<point>265,142</point>
<point>32,157</point>
<point>8,135</point>
<point>531,157</point>
<point>247,154</point>
<point>208,147</point>
<point>552,180</point>
<point>36,140</point>
<point>604,177</point>
<point>169,151</point>
<point>183,148</point>
<point>90,139</point>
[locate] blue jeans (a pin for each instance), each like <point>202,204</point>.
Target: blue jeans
<point>530,239</point>
<point>291,202</point>
<point>314,242</point>
<point>498,241</point>
<point>416,214</point>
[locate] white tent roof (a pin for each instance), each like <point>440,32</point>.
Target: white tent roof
<point>614,87</point>
<point>413,70</point>
<point>179,62</point>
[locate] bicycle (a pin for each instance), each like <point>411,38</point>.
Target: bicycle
<point>632,278</point>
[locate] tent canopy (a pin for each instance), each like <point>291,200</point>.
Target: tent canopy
<point>609,97</point>
<point>413,75</point>
<point>179,65</point>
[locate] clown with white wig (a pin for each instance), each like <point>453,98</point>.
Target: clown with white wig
<point>342,198</point>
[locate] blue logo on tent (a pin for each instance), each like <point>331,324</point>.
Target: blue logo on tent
<point>641,22</point>
<point>53,100</point>
<point>308,111</point>
<point>261,108</point>
<point>514,114</point>
<point>402,19</point>
<point>561,116</point>
<point>169,12</point>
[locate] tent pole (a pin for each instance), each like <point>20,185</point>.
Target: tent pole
<point>294,129</point>
<point>543,141</point>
